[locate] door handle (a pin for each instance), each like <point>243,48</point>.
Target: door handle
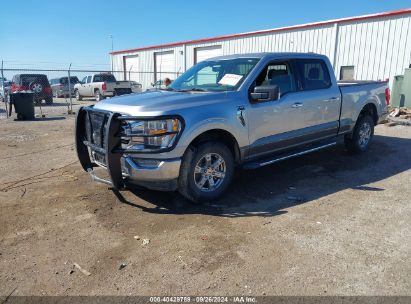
<point>332,99</point>
<point>240,115</point>
<point>297,105</point>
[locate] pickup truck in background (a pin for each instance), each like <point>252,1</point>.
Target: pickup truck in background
<point>101,86</point>
<point>248,110</point>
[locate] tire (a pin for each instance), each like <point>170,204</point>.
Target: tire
<point>78,96</point>
<point>203,157</point>
<point>361,137</point>
<point>98,95</point>
<point>49,100</point>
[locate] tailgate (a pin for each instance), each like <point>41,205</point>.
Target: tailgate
<point>123,84</point>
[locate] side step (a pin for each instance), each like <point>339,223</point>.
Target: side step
<point>286,155</point>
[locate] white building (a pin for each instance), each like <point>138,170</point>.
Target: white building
<point>369,47</point>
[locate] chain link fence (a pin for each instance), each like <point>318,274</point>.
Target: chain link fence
<point>59,92</point>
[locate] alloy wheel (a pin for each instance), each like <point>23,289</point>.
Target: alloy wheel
<point>364,135</point>
<point>209,172</point>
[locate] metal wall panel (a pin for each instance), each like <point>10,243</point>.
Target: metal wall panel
<point>378,48</point>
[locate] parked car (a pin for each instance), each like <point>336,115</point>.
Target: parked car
<point>135,87</point>
<point>4,92</point>
<point>60,86</point>
<point>101,86</point>
<point>248,110</point>
<point>37,83</point>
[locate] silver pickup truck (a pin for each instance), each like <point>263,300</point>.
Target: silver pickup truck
<point>101,86</point>
<point>247,110</point>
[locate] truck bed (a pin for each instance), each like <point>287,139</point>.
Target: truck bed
<point>355,94</point>
<point>344,83</point>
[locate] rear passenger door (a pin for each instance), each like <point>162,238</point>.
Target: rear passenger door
<point>319,99</point>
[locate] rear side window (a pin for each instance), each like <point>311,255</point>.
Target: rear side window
<point>27,79</point>
<point>314,74</point>
<point>107,78</point>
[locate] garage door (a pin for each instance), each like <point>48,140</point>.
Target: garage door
<point>164,65</point>
<point>131,68</point>
<point>204,53</point>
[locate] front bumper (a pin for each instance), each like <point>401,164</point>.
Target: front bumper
<point>160,175</point>
<point>100,145</point>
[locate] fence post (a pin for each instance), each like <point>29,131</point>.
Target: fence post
<point>4,90</point>
<point>69,89</point>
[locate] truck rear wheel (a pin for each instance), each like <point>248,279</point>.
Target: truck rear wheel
<point>361,137</point>
<point>206,172</point>
<point>98,95</point>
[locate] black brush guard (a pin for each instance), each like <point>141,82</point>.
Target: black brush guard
<point>103,139</point>
<point>100,132</point>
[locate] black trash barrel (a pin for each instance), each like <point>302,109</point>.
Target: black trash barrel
<point>23,104</point>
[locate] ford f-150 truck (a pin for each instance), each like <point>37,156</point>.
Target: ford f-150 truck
<point>101,86</point>
<point>247,110</point>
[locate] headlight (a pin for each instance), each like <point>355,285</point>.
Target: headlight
<point>152,134</point>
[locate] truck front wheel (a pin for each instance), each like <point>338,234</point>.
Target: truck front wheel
<point>206,172</point>
<point>361,137</point>
<point>78,96</point>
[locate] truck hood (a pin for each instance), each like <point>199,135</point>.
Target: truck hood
<point>154,103</point>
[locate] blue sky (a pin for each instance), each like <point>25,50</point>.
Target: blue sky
<point>55,33</point>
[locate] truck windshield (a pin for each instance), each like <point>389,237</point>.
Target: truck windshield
<point>215,75</point>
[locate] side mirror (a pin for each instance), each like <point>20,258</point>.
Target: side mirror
<point>265,93</point>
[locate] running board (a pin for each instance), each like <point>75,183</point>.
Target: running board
<point>283,156</point>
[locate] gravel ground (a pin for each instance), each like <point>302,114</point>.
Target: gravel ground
<point>324,224</point>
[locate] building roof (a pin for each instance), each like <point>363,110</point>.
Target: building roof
<point>280,29</point>
<point>264,54</point>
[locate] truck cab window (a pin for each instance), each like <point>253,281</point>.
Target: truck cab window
<point>314,74</point>
<point>88,79</point>
<point>279,74</point>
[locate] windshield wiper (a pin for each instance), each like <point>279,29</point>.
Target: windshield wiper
<point>194,90</point>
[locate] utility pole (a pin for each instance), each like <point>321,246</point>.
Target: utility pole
<point>69,89</point>
<point>112,49</point>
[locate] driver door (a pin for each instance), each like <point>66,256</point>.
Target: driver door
<point>82,87</point>
<point>274,125</point>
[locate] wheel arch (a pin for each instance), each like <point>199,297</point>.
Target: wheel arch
<point>222,136</point>
<point>369,109</point>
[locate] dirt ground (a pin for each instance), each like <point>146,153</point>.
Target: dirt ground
<point>323,224</point>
